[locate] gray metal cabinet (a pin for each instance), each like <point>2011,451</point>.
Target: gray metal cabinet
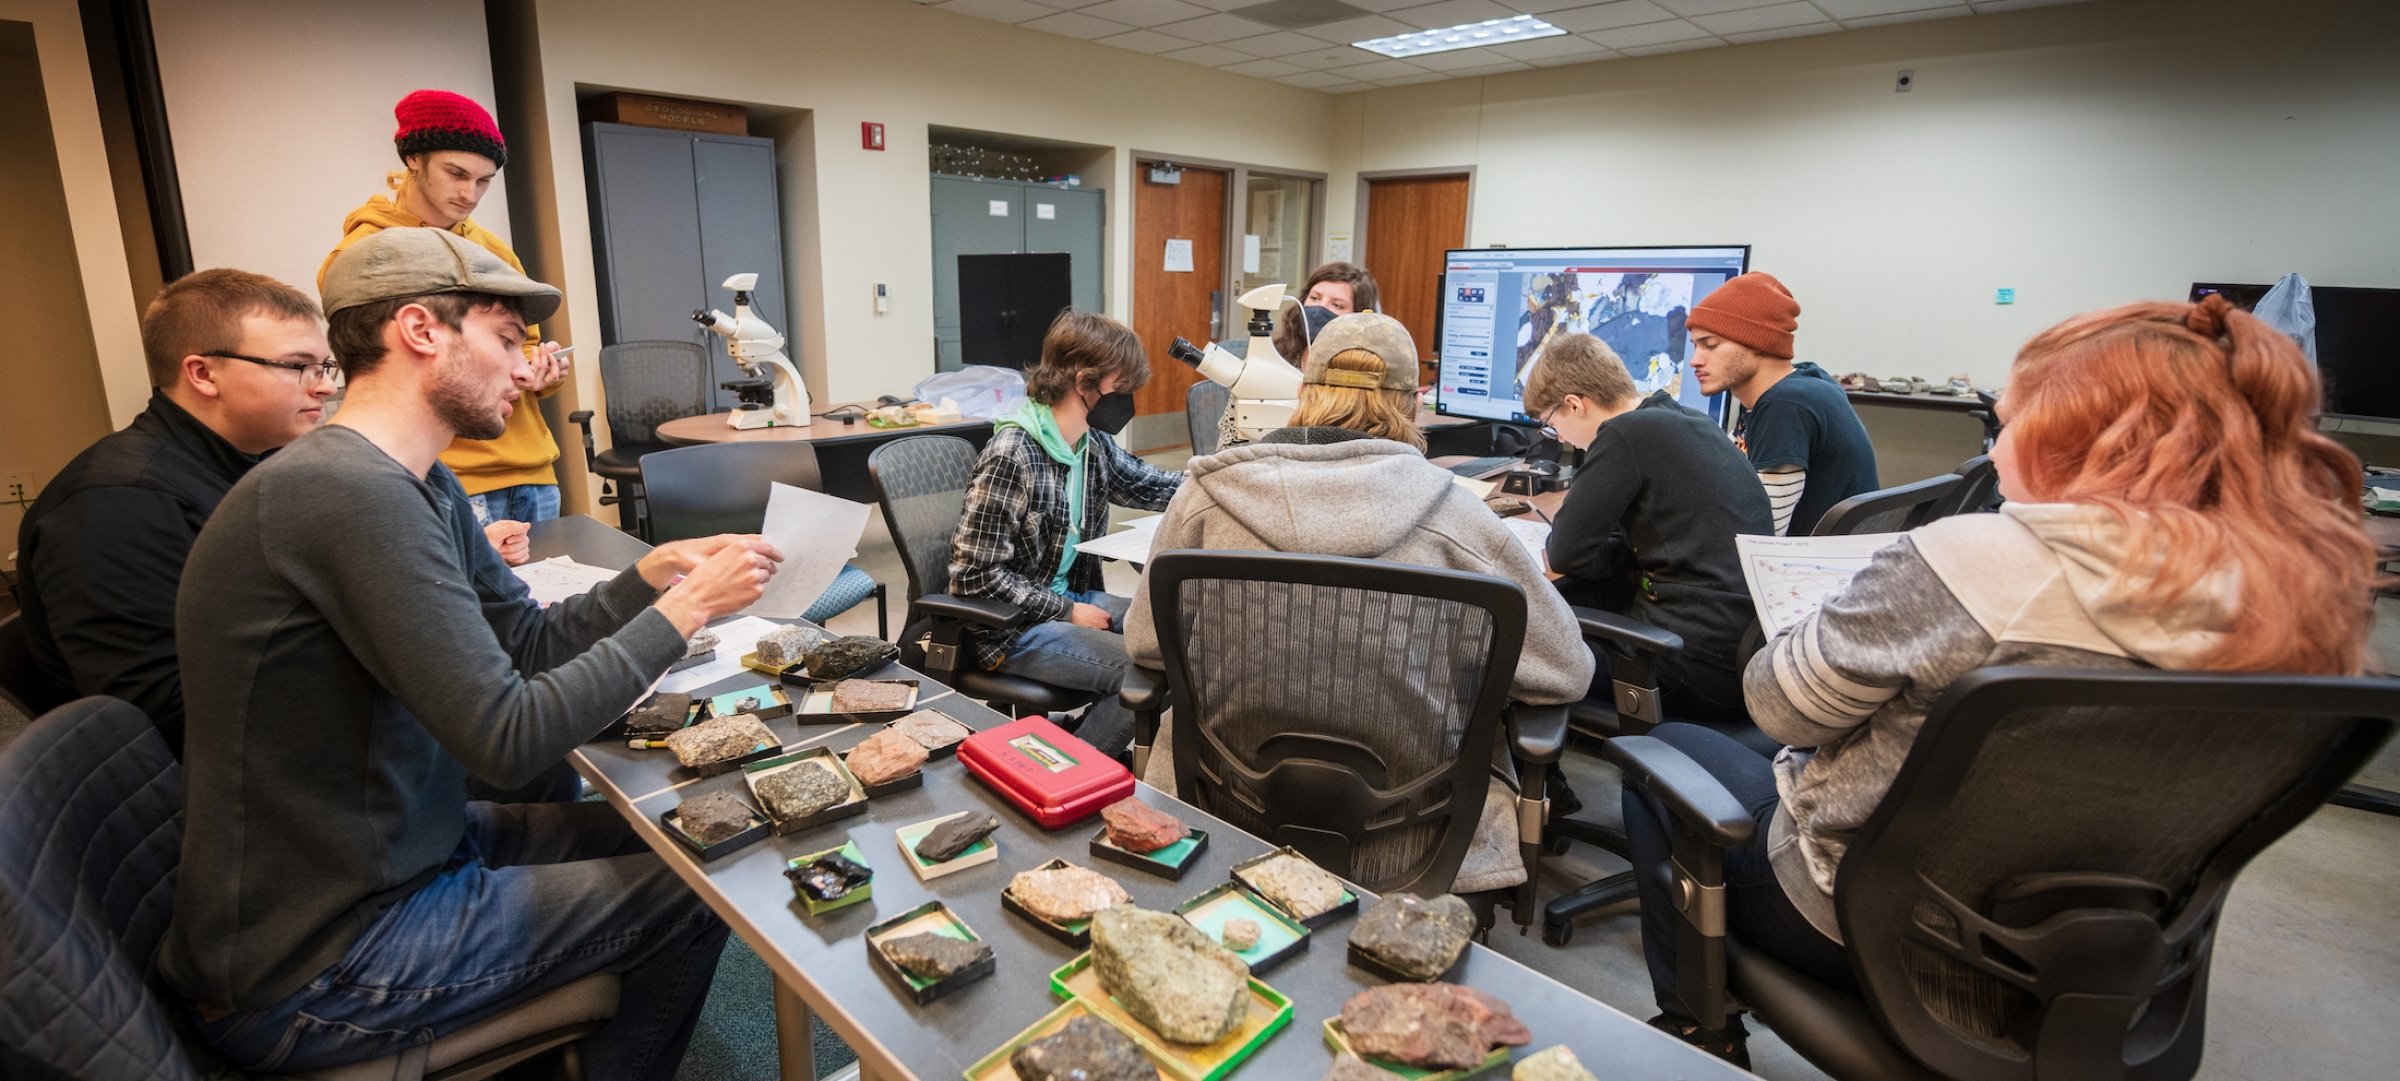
<point>675,213</point>
<point>999,217</point>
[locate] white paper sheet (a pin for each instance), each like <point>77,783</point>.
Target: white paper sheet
<point>1250,253</point>
<point>1480,488</point>
<point>1790,577</point>
<point>817,533</point>
<point>1179,256</point>
<point>735,637</point>
<point>1533,534</point>
<point>557,578</point>
<point>1131,543</point>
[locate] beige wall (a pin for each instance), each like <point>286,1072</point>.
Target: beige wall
<point>2085,156</point>
<point>281,112</point>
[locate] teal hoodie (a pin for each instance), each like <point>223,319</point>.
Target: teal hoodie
<point>1038,422</point>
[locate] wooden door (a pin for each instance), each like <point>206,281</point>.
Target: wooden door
<point>1411,221</point>
<point>1171,304</point>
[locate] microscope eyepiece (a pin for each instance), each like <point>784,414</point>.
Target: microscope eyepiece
<point>1184,351</point>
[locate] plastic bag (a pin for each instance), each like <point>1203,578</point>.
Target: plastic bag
<point>2291,308</point>
<point>981,390</point>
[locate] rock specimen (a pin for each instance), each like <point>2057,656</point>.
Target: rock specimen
<point>720,740</point>
<point>932,729</point>
<point>850,655</point>
<point>1241,933</point>
<point>714,817</point>
<point>784,646</point>
<point>662,714</point>
<point>1138,827</point>
<point>1066,894</point>
<point>871,696</point>
<point>1434,1025</point>
<point>1417,937</point>
<point>1302,888</point>
<point>701,644</point>
<point>885,757</point>
<point>1084,1049</point>
<point>1551,1064</point>
<point>801,791</point>
<point>930,956</point>
<point>830,877</point>
<point>956,834</point>
<point>1353,1068</point>
<point>1169,975</point>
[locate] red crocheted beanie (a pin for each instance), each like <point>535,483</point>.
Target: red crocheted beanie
<point>433,120</point>
<point>1754,310</point>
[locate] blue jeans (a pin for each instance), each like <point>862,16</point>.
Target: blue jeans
<point>516,503</point>
<point>1063,654</point>
<point>536,897</point>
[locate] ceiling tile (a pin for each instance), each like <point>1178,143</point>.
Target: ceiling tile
<point>1144,12</point>
<point>1777,17</point>
<point>1148,41</point>
<point>1212,5</point>
<point>1493,69</point>
<point>1076,24</point>
<point>1583,58</point>
<point>1215,28</point>
<point>1333,56</point>
<point>1628,38</point>
<point>1548,48</point>
<point>1382,7</point>
<point>1992,6</point>
<point>1208,56</point>
<point>1906,17</point>
<point>1801,31</point>
<point>1349,88</point>
<point>1265,69</point>
<point>1428,77</point>
<point>1847,10</point>
<point>1480,56</point>
<point>1363,28</point>
<point>1671,47</point>
<point>1608,16</point>
<point>1003,11</point>
<point>1280,43</point>
<point>1381,69</point>
<point>1450,13</point>
<point>1312,80</point>
<point>1688,8</point>
<point>1544,7</point>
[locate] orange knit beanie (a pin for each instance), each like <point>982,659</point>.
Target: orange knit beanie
<point>1753,310</point>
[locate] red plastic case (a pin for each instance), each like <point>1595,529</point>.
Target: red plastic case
<point>1057,779</point>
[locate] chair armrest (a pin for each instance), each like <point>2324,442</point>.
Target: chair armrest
<point>1629,636</point>
<point>1144,689</point>
<point>1689,793</point>
<point>980,611</point>
<point>582,418</point>
<point>1536,734</point>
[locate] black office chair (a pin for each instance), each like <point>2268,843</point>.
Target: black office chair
<point>21,684</point>
<point>2037,895</point>
<point>91,833</point>
<point>1203,407</point>
<point>1978,489</point>
<point>1348,708</point>
<point>1897,509</point>
<point>644,385</point>
<point>712,488</point>
<point>1987,414</point>
<point>921,483</point>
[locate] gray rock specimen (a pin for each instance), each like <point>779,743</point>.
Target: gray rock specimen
<point>1550,1064</point>
<point>1169,975</point>
<point>801,791</point>
<point>955,835</point>
<point>932,729</point>
<point>1084,1049</point>
<point>1433,1025</point>
<point>714,817</point>
<point>784,646</point>
<point>850,655</point>
<point>1417,937</point>
<point>1138,827</point>
<point>1302,888</point>
<point>701,644</point>
<point>830,877</point>
<point>1066,894</point>
<point>1353,1068</point>
<point>929,956</point>
<point>663,713</point>
<point>724,738</point>
<point>884,757</point>
<point>871,696</point>
<point>1241,933</point>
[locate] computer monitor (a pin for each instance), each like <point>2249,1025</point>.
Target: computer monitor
<point>1500,306</point>
<point>2358,344</point>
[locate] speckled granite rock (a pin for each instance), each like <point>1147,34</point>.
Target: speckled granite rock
<point>1169,975</point>
<point>1418,937</point>
<point>1434,1025</point>
<point>932,729</point>
<point>1066,894</point>
<point>850,655</point>
<point>884,757</point>
<point>1302,888</point>
<point>871,696</point>
<point>801,791</point>
<point>700,644</point>
<point>1550,1064</point>
<point>1138,827</point>
<point>785,645</point>
<point>721,739</point>
<point>932,957</point>
<point>1084,1049</point>
<point>714,817</point>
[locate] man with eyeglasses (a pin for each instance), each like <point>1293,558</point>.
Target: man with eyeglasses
<point>238,367</point>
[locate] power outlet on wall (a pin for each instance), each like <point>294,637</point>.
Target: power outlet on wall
<point>16,488</point>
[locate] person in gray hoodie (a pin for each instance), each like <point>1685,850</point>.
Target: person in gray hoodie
<point>1349,478</point>
<point>2160,469</point>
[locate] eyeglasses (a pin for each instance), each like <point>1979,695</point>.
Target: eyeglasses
<point>1549,432</point>
<point>324,370</point>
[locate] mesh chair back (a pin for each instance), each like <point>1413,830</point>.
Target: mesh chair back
<point>713,488</point>
<point>1978,488</point>
<point>1891,510</point>
<point>2037,894</point>
<point>1202,408</point>
<point>1349,708</point>
<point>650,383</point>
<point>921,483</point>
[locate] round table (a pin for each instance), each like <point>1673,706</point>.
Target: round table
<point>713,428</point>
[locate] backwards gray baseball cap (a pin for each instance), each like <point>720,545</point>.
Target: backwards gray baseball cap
<point>399,263</point>
<point>1370,332</point>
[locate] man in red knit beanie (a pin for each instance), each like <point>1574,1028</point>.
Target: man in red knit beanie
<point>1797,426</point>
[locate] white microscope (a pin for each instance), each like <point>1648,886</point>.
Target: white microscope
<point>774,395</point>
<point>1266,388</point>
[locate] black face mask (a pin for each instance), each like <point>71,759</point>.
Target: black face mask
<point>1111,413</point>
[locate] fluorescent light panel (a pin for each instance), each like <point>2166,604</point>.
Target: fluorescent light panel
<point>1462,36</point>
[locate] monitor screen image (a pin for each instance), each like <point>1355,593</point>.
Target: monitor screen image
<point>1502,306</point>
<point>2356,329</point>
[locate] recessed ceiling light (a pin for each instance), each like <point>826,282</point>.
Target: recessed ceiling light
<point>1462,36</point>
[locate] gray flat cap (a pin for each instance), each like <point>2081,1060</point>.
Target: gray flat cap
<point>397,263</point>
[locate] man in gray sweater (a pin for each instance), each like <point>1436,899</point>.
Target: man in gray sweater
<point>353,651</point>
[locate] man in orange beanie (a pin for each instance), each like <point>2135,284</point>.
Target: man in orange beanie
<point>1797,425</point>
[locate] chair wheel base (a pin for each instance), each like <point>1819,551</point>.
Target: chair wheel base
<point>1557,933</point>
<point>1558,917</point>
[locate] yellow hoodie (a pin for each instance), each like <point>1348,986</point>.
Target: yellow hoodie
<point>523,453</point>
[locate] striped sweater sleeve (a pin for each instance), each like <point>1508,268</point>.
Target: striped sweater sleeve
<point>1784,486</point>
<point>1895,626</point>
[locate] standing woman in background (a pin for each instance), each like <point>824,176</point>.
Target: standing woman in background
<point>1333,290</point>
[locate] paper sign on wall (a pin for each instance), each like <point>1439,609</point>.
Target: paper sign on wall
<point>1179,256</point>
<point>1045,211</point>
<point>1337,247</point>
<point>1250,253</point>
<point>999,208</point>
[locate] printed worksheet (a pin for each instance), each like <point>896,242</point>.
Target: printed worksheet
<point>557,578</point>
<point>817,534</point>
<point>1131,543</point>
<point>1534,534</point>
<point>1791,576</point>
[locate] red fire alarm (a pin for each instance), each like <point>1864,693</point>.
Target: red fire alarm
<point>870,135</point>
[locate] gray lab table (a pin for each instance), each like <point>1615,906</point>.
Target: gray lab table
<point>821,965</point>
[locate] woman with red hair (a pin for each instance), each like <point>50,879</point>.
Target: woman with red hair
<point>2170,504</point>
